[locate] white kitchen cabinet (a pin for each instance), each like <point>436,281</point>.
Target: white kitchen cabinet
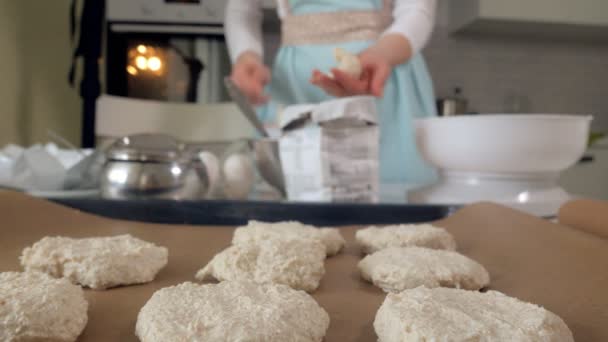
<point>580,18</point>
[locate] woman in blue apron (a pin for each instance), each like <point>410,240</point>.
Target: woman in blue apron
<point>385,36</point>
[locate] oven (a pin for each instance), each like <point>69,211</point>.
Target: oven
<point>163,67</point>
<point>164,62</point>
<point>166,50</point>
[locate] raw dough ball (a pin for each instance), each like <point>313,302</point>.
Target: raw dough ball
<point>98,263</point>
<point>231,311</point>
<point>373,239</point>
<point>239,176</point>
<point>396,269</point>
<point>295,263</point>
<point>36,307</point>
<point>260,231</point>
<point>443,314</point>
<point>348,62</point>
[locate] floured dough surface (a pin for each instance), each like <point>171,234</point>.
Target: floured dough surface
<point>396,269</point>
<point>36,307</point>
<point>231,311</point>
<point>260,231</point>
<point>443,314</point>
<point>295,263</point>
<point>348,63</point>
<point>98,263</point>
<point>373,239</point>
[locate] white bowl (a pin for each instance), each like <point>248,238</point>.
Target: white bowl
<point>504,143</point>
<point>538,195</point>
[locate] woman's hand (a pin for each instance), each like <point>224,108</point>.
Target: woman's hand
<point>376,70</point>
<point>251,76</point>
<point>377,63</point>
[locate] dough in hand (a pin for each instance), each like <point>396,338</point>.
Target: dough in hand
<point>348,62</point>
<point>98,263</point>
<point>443,314</point>
<point>36,307</point>
<point>260,231</point>
<point>373,239</point>
<point>298,264</point>
<point>231,311</point>
<point>399,268</point>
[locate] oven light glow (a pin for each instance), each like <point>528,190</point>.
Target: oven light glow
<point>132,70</point>
<point>141,62</point>
<point>142,49</point>
<point>154,63</point>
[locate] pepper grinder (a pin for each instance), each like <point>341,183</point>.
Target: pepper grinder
<point>454,105</point>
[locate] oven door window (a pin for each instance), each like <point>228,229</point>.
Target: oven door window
<point>172,69</point>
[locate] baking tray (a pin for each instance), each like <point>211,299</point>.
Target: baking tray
<point>560,268</point>
<point>232,213</point>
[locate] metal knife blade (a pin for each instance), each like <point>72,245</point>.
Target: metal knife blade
<point>244,105</point>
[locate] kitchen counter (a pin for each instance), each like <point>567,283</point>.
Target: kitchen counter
<point>589,179</point>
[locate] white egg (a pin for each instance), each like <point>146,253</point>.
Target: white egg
<point>348,63</point>
<point>239,176</point>
<point>212,164</point>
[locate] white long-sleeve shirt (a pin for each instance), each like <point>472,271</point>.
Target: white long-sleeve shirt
<point>414,19</point>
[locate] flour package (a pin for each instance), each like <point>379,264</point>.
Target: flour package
<point>329,151</point>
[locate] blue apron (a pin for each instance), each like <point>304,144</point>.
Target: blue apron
<point>408,93</point>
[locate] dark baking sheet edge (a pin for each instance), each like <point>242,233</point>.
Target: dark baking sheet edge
<point>231,213</point>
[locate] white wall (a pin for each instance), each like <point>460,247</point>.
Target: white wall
<point>9,81</point>
<point>500,73</point>
<point>585,12</point>
<point>34,93</point>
